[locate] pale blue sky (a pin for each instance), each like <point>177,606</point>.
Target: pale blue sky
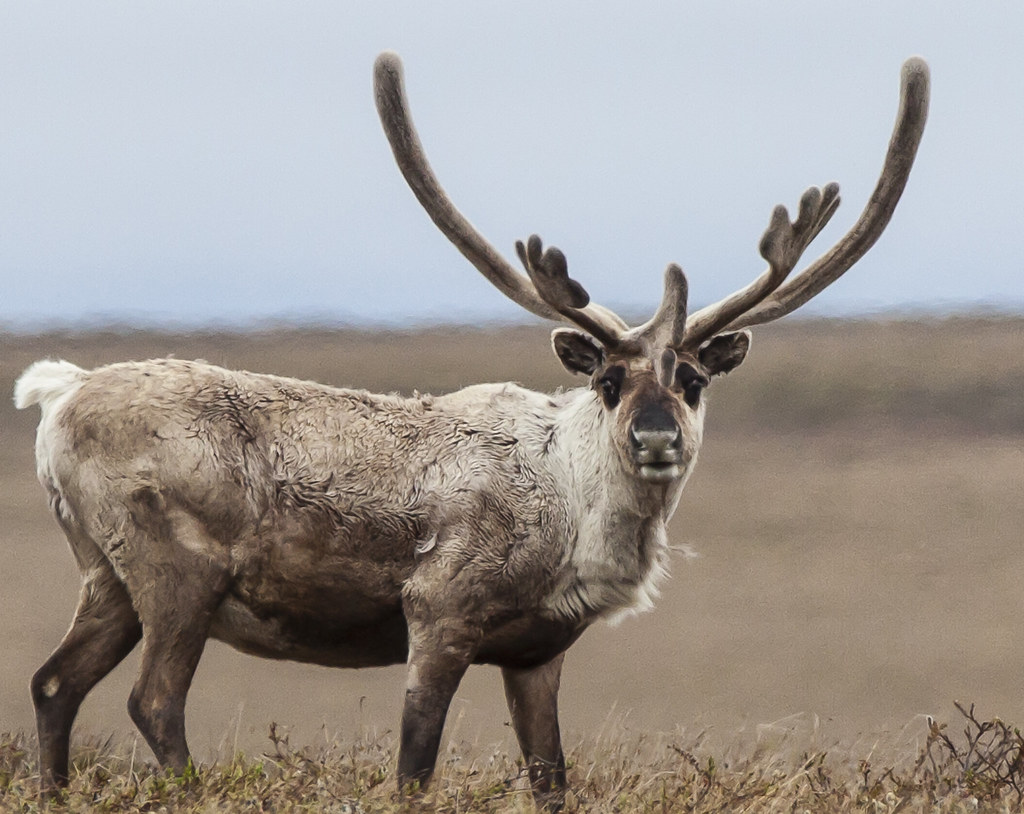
<point>221,163</point>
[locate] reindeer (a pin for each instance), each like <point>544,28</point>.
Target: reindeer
<point>491,525</point>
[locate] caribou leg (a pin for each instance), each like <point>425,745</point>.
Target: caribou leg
<point>103,632</point>
<point>532,697</point>
<point>172,643</point>
<point>439,654</point>
<point>177,584</point>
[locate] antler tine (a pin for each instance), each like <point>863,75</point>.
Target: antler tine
<point>782,245</point>
<point>906,137</point>
<point>667,328</point>
<point>393,109</point>
<point>549,273</point>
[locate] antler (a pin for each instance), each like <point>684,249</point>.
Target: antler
<point>781,245</point>
<point>549,292</point>
<point>767,299</point>
<point>549,273</point>
<point>555,296</point>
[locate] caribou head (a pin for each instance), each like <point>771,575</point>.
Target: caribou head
<point>650,378</point>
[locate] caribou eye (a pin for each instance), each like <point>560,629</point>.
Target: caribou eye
<point>610,385</point>
<point>692,382</point>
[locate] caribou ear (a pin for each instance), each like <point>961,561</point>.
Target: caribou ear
<point>577,352</point>
<point>724,352</point>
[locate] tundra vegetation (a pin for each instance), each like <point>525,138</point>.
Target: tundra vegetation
<point>974,764</point>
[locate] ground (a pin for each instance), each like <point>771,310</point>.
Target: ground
<point>857,514</point>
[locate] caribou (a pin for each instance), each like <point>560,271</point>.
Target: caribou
<point>491,525</point>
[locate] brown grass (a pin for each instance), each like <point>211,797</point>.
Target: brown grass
<point>857,511</point>
<point>978,769</point>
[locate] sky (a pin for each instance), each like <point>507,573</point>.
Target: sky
<point>221,164</point>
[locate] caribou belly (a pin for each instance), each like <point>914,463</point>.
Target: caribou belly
<point>527,641</point>
<point>323,639</point>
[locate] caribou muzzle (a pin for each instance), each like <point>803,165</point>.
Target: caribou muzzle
<point>656,441</point>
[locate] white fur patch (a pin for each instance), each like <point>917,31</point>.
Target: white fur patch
<point>49,384</point>
<point>46,382</point>
<point>412,679</point>
<point>619,555</point>
<point>424,546</point>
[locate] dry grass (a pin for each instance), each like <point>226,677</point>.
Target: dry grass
<point>978,769</point>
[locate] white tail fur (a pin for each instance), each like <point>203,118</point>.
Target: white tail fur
<point>45,382</point>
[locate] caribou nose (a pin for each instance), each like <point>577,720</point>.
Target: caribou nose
<point>655,429</point>
<point>658,452</point>
<point>657,443</point>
